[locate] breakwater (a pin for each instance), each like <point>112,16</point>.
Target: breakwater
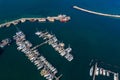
<point>97,13</point>
<point>61,18</point>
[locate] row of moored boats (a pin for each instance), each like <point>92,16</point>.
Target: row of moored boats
<point>57,45</point>
<point>46,69</point>
<point>96,71</point>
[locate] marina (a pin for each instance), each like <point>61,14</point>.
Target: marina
<point>95,71</point>
<point>56,44</point>
<point>61,18</point>
<point>90,36</point>
<point>46,69</point>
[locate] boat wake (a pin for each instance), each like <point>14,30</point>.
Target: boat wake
<point>97,13</point>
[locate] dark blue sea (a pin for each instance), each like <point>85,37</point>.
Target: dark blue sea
<point>91,37</point>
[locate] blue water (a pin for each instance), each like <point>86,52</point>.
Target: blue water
<point>90,36</point>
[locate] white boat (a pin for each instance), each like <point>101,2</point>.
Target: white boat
<point>101,71</point>
<point>104,72</point>
<point>69,57</point>
<point>97,72</point>
<point>115,76</point>
<point>63,53</point>
<point>91,70</point>
<point>108,74</point>
<point>38,33</point>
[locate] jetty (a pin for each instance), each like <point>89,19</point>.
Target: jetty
<point>97,13</point>
<point>46,69</point>
<point>58,46</point>
<point>39,45</point>
<point>61,18</point>
<point>96,71</point>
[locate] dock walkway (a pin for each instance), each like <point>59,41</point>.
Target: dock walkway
<point>39,45</point>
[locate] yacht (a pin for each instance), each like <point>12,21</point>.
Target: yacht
<point>91,70</point>
<point>97,71</point>
<point>104,72</point>
<point>5,42</point>
<point>116,76</point>
<point>101,71</point>
<point>108,74</point>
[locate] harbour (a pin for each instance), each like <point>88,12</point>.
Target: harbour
<point>97,70</point>
<point>48,71</point>
<point>90,37</point>
<point>59,47</point>
<point>23,45</point>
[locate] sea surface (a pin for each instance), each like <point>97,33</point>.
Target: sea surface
<point>91,37</point>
